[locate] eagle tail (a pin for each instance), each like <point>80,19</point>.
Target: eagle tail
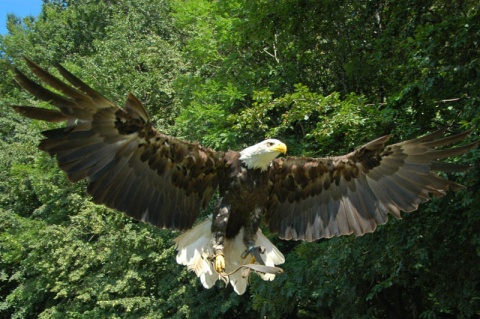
<point>195,251</point>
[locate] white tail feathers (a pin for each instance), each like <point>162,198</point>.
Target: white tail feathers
<point>195,249</point>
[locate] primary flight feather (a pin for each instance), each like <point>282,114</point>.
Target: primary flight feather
<point>161,180</point>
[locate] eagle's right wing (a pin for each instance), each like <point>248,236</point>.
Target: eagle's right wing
<point>130,166</point>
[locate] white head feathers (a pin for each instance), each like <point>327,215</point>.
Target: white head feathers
<point>261,155</point>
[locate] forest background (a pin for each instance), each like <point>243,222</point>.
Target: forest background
<point>323,76</point>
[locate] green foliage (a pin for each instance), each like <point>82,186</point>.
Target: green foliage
<point>323,76</point>
<point>309,119</point>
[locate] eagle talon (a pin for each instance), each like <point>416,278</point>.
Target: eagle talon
<point>256,253</point>
<point>219,262</point>
<point>247,252</point>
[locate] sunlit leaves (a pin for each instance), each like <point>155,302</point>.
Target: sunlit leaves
<point>311,119</point>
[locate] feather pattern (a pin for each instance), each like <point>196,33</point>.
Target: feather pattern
<point>129,165</point>
<point>313,198</point>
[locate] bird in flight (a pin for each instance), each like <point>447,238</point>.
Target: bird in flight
<point>164,181</point>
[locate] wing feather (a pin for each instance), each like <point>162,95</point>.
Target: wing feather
<point>313,198</point>
<point>40,114</point>
<point>130,166</point>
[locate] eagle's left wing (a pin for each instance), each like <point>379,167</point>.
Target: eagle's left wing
<point>313,198</point>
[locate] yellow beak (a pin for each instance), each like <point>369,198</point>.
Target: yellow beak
<point>279,147</point>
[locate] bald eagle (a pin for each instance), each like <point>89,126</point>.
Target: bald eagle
<point>163,181</point>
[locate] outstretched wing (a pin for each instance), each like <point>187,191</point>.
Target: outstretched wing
<point>313,198</point>
<point>130,166</point>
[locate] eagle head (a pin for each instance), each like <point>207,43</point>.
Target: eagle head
<point>261,155</point>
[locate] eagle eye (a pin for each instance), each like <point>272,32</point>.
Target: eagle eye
<point>269,144</point>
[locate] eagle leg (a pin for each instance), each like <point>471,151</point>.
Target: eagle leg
<point>219,227</point>
<point>256,253</point>
<point>250,237</point>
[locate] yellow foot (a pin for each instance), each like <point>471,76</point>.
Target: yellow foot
<point>219,263</point>
<point>253,260</point>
